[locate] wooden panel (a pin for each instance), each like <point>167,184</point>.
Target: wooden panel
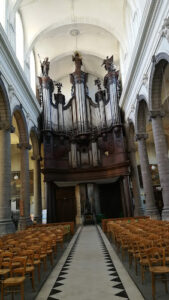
<point>65,204</point>
<point>110,200</point>
<point>86,174</point>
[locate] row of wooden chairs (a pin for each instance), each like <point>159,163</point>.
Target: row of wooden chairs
<point>146,242</point>
<point>22,252</point>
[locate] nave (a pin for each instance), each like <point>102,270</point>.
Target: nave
<point>89,269</point>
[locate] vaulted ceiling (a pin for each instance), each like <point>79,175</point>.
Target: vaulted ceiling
<point>95,28</point>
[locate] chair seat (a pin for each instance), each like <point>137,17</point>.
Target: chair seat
<point>159,269</point>
<point>29,269</point>
<point>49,251</point>
<point>36,262</point>
<point>144,261</point>
<point>15,264</point>
<point>4,271</point>
<point>14,280</point>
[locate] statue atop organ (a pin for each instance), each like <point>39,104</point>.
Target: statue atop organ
<point>81,133</point>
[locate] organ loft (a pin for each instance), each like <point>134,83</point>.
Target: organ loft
<point>84,145</point>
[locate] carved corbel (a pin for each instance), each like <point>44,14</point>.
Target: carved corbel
<point>145,81</point>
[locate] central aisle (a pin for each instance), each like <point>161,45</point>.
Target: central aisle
<point>88,272</point>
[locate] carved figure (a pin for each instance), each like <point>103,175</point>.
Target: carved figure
<point>59,86</point>
<point>98,84</point>
<point>78,62</point>
<point>78,75</point>
<point>108,64</point>
<point>45,66</point>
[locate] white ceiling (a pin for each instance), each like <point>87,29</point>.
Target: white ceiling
<point>101,26</point>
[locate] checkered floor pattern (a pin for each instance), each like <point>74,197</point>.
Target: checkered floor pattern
<point>88,272</point>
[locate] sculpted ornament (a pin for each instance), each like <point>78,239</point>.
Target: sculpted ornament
<point>45,66</point>
<point>165,29</point>
<point>145,80</point>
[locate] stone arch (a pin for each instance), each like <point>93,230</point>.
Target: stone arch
<point>141,115</point>
<point>5,111</point>
<point>160,62</point>
<point>22,125</point>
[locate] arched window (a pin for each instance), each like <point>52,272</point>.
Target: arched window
<point>32,72</point>
<point>2,12</point>
<point>19,40</point>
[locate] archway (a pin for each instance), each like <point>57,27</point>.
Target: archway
<point>142,122</point>
<point>6,224</point>
<point>20,165</point>
<point>160,63</point>
<point>35,188</point>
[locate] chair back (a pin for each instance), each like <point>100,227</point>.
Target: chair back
<point>156,256</point>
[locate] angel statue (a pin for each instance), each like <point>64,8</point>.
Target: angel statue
<point>45,66</point>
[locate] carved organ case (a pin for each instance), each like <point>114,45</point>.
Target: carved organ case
<point>82,137</point>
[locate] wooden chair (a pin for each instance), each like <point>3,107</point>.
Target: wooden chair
<point>29,254</point>
<point>59,236</point>
<point>15,281</point>
<point>37,261</point>
<point>143,259</point>
<point>49,248</point>
<point>157,266</point>
<point>43,253</point>
<point>5,267</point>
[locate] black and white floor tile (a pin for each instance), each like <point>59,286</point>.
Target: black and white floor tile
<point>88,272</point>
<point>58,286</point>
<point>115,279</point>
<point>118,290</point>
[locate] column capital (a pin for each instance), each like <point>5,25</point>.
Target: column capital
<point>156,113</point>
<point>36,157</point>
<point>6,126</point>
<point>24,146</point>
<point>141,136</point>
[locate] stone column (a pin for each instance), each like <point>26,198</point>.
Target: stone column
<point>162,159</point>
<point>123,199</point>
<point>138,209</point>
<point>44,192</point>
<point>97,200</point>
<point>24,204</point>
<point>6,224</point>
<point>90,195</point>
<point>151,209</point>
<point>37,190</point>
<point>78,205</point>
<point>127,196</point>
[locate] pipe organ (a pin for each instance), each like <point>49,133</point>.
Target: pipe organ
<point>82,137</point>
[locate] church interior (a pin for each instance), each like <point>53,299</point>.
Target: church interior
<point>84,149</point>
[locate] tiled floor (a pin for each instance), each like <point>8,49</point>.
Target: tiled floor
<point>89,270</point>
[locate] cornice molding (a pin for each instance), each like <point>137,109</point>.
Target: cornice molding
<point>14,65</point>
<point>146,26</point>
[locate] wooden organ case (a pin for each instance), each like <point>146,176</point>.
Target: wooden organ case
<point>83,138</point>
